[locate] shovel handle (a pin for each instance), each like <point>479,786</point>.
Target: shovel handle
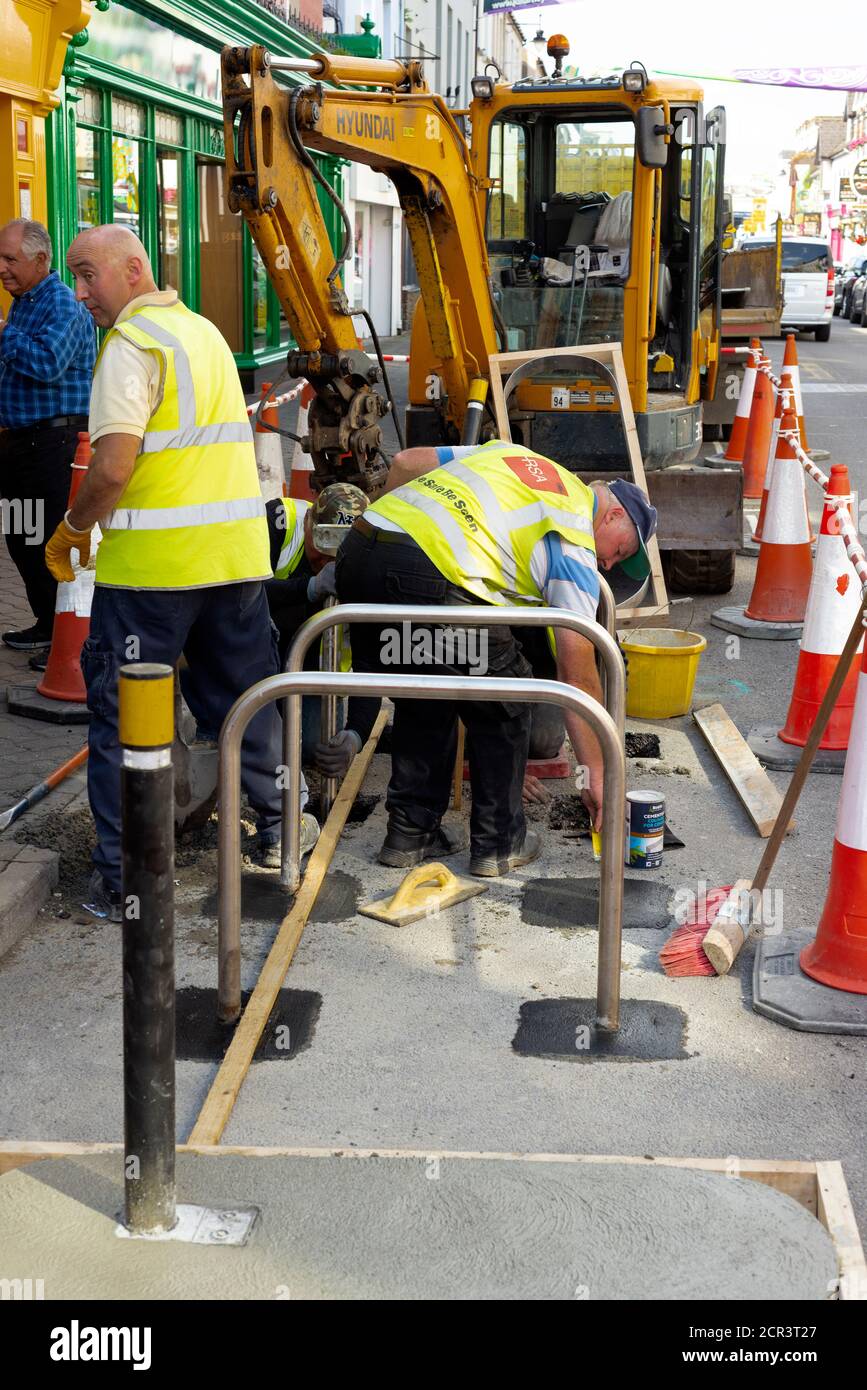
<point>417,878</point>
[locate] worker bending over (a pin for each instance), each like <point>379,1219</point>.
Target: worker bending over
<point>184,552</point>
<point>501,525</point>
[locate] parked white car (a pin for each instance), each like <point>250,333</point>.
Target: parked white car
<point>808,283</point>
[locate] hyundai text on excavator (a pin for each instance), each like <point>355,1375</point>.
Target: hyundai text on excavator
<point>552,212</point>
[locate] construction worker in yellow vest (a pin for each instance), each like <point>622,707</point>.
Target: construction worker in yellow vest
<point>495,524</point>
<point>184,549</point>
<point>305,537</point>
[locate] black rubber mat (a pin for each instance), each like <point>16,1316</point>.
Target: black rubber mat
<point>574,902</point>
<point>199,1037</point>
<point>566,1029</point>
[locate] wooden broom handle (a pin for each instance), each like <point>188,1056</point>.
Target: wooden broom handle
<point>799,776</point>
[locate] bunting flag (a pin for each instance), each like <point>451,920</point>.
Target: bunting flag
<point>835,79</point>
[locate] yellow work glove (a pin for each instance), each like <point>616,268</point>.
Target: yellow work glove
<point>65,539</point>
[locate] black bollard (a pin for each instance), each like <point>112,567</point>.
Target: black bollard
<point>146,698</point>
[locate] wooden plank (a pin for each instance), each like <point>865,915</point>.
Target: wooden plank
<point>220,1100</point>
<point>610,355</point>
<point>752,784</point>
<point>836,1215</point>
<point>458,796</point>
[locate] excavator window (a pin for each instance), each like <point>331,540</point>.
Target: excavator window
<point>564,190</point>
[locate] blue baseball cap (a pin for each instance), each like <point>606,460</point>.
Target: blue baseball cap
<point>644,517</point>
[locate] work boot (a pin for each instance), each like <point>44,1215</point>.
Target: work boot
<point>102,901</point>
<point>268,850</point>
<point>30,639</point>
<point>404,848</point>
<point>492,865</point>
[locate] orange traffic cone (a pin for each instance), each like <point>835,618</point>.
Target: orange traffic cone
<point>838,956</point>
<point>790,365</point>
<point>269,450</point>
<point>834,599</point>
<point>302,464</point>
<point>769,470</point>
<point>740,428</point>
<point>783,573</point>
<point>759,436</point>
<point>63,679</point>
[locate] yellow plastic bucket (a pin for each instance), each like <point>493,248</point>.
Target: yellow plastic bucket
<point>662,666</point>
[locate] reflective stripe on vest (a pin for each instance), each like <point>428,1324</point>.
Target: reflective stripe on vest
<point>292,548</point>
<point>480,519</point>
<point>192,512</point>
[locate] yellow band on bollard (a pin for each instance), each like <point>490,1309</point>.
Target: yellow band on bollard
<point>478,390</point>
<point>146,695</point>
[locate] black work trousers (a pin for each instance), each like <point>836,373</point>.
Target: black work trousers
<point>371,569</point>
<point>35,470</point>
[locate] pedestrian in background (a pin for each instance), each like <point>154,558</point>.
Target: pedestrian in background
<point>47,351</point>
<point>174,485</point>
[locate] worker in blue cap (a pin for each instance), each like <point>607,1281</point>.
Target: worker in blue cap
<point>502,525</point>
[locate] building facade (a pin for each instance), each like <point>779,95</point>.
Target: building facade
<point>134,134</point>
<point>373,273</point>
<point>849,179</point>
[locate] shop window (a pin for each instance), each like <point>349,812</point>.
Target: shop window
<point>168,219</point>
<point>87,178</point>
<point>128,117</point>
<point>89,106</point>
<point>126,209</point>
<point>220,258</point>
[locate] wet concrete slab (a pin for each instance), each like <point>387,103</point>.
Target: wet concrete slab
<point>416,1227</point>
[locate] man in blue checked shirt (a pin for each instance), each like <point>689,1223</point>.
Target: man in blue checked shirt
<point>47,352</point>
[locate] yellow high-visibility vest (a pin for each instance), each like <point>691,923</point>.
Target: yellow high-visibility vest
<point>192,514</point>
<point>291,554</point>
<point>292,549</point>
<point>480,518</point>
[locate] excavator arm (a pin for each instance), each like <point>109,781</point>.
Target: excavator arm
<point>399,128</point>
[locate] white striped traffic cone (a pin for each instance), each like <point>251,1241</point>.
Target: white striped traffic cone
<point>756,449</point>
<point>269,450</point>
<point>302,464</point>
<point>790,365</point>
<point>740,428</point>
<point>783,573</point>
<point>834,599</point>
<point>769,470</point>
<point>838,956</point>
<point>63,679</point>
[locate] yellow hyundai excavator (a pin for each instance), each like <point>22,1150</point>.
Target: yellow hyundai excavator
<point>552,212</point>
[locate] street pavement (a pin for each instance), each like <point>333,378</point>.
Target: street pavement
<point>412,1045</point>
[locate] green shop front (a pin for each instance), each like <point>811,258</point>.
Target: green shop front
<point>138,139</point>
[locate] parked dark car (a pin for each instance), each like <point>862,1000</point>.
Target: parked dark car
<point>855,268</point>
<point>858,300</point>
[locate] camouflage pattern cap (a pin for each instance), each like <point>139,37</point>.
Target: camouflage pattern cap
<point>338,505</point>
<point>332,514</point>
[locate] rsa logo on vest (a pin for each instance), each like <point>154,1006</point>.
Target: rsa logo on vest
<point>537,473</point>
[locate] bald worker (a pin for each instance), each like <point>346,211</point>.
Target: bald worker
<point>185,548</point>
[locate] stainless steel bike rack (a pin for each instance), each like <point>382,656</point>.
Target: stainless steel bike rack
<point>455,615</point>
<point>298,683</point>
<point>328,661</point>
